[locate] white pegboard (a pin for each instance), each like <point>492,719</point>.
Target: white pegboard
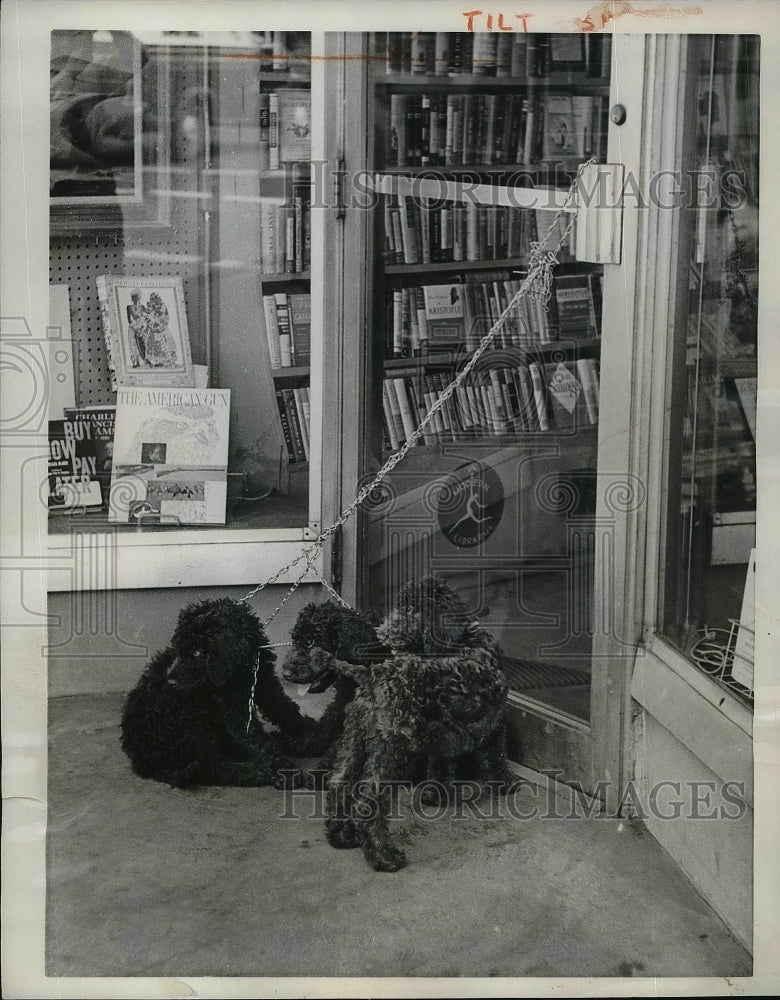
<point>78,259</point>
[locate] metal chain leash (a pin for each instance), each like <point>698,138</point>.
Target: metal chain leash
<point>538,282</point>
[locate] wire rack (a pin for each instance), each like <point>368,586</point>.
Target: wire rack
<point>713,654</point>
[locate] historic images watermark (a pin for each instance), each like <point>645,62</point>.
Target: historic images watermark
<point>523,799</point>
<point>701,188</point>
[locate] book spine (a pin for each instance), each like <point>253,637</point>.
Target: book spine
<point>395,410</point>
<point>102,282</point>
<point>393,64</point>
<point>289,238</point>
<point>388,414</point>
<point>286,344</point>
<point>280,55</point>
<point>295,427</point>
<point>540,399</point>
<point>272,331</point>
<point>285,425</point>
<point>407,418</point>
<point>397,109</point>
<point>472,231</point>
<point>297,238</point>
<point>409,230</point>
<point>425,130</point>
<point>519,57</point>
<point>279,238</point>
<point>425,232</point>
<point>586,369</point>
<point>504,55</point>
<point>398,337</point>
<point>441,60</point>
<point>303,422</point>
<point>273,131</point>
<point>264,152</point>
<point>422,319</point>
<point>529,412</point>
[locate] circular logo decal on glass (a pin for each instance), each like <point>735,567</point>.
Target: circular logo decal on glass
<point>470,504</point>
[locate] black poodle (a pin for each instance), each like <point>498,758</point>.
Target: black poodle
<point>185,722</point>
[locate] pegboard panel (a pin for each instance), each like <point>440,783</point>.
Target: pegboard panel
<point>175,251</point>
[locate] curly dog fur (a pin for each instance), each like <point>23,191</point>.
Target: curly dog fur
<point>438,700</point>
<point>331,643</point>
<point>184,723</point>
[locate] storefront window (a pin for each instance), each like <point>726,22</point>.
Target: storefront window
<point>711,525</point>
<point>180,250</point>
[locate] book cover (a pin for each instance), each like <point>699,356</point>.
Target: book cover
<point>567,52</point>
<point>444,312</point>
<point>575,306</point>
<point>93,427</point>
<point>145,331</point>
<point>294,118</point>
<point>582,110</point>
<point>170,456</point>
<point>559,128</point>
<point>72,468</point>
<point>566,402</point>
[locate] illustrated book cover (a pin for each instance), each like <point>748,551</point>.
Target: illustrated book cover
<point>145,330</point>
<point>170,456</point>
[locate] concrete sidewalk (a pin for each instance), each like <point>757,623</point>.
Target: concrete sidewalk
<point>144,880</point>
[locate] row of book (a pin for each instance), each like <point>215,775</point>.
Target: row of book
<point>288,328</point>
<point>521,398</point>
<point>504,53</point>
<point>294,413</point>
<point>284,127</point>
<point>285,234</point>
<point>427,231</point>
<point>494,129</point>
<point>458,315</point>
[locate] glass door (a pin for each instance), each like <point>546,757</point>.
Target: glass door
<point>470,144</point>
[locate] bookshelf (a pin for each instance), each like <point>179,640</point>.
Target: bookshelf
<point>458,118</point>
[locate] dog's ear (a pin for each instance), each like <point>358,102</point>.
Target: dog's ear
<point>235,634</point>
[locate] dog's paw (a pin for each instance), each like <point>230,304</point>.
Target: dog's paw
<point>185,777</point>
<point>288,778</point>
<point>384,857</point>
<point>432,795</point>
<point>343,833</point>
<point>501,780</point>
